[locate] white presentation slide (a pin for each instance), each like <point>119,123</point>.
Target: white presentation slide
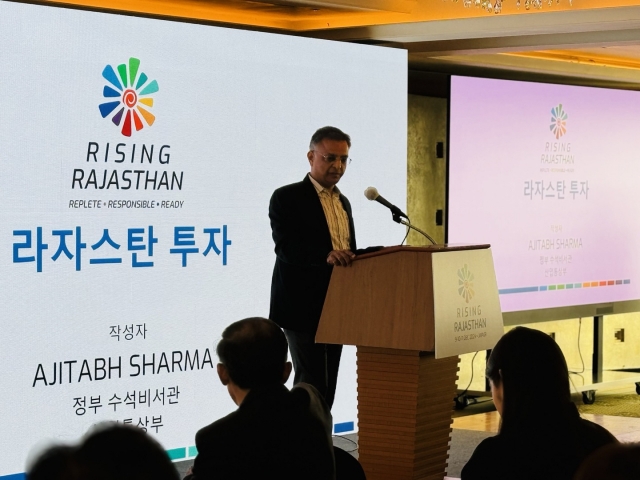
<point>547,174</point>
<point>137,160</point>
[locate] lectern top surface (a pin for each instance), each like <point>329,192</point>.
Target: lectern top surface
<point>427,248</point>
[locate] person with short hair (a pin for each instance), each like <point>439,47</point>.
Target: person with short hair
<point>56,463</point>
<point>275,432</point>
<point>541,433</point>
<point>113,451</point>
<point>312,227</point>
<point>109,451</point>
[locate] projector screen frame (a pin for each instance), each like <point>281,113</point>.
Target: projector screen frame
<point>273,155</point>
<point>542,314</point>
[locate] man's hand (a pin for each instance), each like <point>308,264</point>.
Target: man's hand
<point>340,258</point>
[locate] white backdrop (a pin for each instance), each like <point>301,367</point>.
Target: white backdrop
<point>236,110</point>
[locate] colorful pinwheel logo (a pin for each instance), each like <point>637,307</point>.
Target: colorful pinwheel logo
<point>558,121</point>
<point>130,98</point>
<point>465,283</point>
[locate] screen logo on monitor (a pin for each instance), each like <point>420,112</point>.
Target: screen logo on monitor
<point>129,96</point>
<point>558,121</point>
<point>465,283</point>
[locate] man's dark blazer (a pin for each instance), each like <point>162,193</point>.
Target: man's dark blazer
<point>302,243</point>
<point>274,433</point>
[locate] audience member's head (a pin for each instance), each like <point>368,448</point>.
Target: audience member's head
<point>253,353</point>
<point>529,377</point>
<point>612,462</point>
<point>56,463</point>
<point>120,452</point>
<point>109,451</point>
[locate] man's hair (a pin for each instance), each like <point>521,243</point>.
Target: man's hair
<point>110,451</point>
<point>121,452</point>
<point>56,463</point>
<point>254,352</point>
<point>331,133</point>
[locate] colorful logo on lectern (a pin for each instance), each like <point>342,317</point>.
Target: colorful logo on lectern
<point>465,283</point>
<point>558,121</point>
<point>133,93</point>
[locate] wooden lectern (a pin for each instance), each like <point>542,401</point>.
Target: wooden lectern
<point>384,305</point>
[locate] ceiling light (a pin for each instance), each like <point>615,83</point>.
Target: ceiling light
<point>495,6</point>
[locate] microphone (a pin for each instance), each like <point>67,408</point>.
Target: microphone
<point>372,194</point>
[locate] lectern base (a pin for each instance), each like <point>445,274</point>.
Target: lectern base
<point>405,401</point>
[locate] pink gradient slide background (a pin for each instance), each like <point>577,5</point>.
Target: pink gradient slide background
<point>551,247</point>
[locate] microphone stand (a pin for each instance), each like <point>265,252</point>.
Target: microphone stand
<point>398,219</point>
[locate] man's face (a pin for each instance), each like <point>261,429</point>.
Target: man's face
<point>324,172</point>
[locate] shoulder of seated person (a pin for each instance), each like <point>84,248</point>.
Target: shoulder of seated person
<point>599,430</point>
<point>482,464</point>
<point>306,391</point>
<point>306,387</point>
<point>491,447</point>
<point>216,428</point>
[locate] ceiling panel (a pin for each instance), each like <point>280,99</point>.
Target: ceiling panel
<point>596,40</point>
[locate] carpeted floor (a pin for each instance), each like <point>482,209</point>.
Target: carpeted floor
<point>621,405</point>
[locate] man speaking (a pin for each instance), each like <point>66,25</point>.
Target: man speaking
<point>312,228</point>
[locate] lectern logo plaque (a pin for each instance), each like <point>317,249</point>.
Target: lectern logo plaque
<point>469,319</point>
<point>465,283</point>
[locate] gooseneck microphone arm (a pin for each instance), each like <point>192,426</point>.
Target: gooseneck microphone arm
<point>397,219</point>
<point>372,194</point>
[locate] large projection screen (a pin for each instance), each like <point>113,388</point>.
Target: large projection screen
<point>547,174</point>
<point>137,159</point>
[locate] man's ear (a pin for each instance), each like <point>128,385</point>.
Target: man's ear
<point>310,156</point>
<point>223,374</point>
<point>286,372</point>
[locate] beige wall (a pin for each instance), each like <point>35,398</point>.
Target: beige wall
<point>426,174</point>
<point>426,190</point>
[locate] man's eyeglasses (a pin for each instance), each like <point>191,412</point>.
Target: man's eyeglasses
<point>331,158</point>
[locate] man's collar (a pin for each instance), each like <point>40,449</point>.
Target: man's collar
<point>264,393</point>
<point>319,188</point>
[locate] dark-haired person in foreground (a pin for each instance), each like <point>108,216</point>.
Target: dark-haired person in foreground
<point>619,461</point>
<point>122,452</point>
<point>312,227</point>
<point>542,436</point>
<point>275,432</point>
<point>109,451</point>
<point>55,463</point>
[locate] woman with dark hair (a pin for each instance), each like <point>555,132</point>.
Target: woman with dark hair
<point>541,433</point>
